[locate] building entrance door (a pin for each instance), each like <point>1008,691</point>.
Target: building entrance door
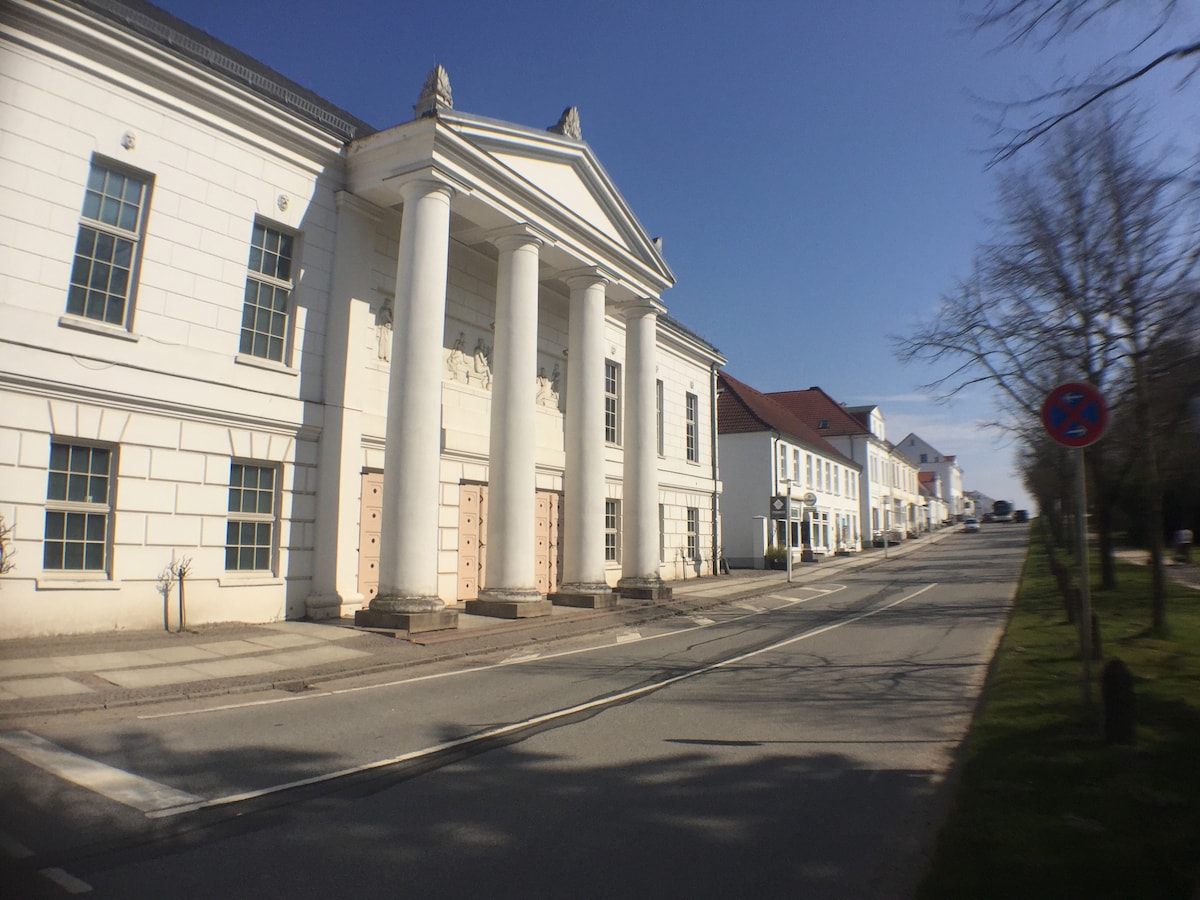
<point>472,540</point>
<point>370,513</point>
<point>472,531</point>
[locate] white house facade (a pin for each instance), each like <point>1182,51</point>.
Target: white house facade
<point>330,369</point>
<point>784,485</point>
<point>949,475</point>
<point>890,502</point>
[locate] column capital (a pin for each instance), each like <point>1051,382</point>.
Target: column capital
<point>516,235</point>
<point>586,276</point>
<point>417,182</point>
<point>642,306</point>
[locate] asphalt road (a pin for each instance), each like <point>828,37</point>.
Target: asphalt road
<point>796,745</point>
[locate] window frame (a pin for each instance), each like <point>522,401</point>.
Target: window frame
<point>262,280</point>
<point>612,402</point>
<point>66,507</point>
<point>693,533</point>
<point>99,228</point>
<point>658,411</point>
<point>255,518</point>
<point>692,426</point>
<point>612,531</point>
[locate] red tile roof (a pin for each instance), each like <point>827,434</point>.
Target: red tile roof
<point>815,406</point>
<point>743,410</point>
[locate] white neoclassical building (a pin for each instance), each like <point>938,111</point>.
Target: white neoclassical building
<point>334,370</point>
<point>944,470</point>
<point>890,495</point>
<point>785,485</point>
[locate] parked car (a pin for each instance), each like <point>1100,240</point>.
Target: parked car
<point>971,525</point>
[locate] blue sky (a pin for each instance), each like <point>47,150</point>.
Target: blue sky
<point>816,169</point>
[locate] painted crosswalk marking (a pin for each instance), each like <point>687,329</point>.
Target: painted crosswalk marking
<point>116,784</point>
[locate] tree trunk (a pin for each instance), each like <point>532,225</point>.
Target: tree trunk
<point>1103,502</point>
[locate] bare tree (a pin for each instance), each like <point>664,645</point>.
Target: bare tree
<point>6,551</point>
<point>1046,22</point>
<point>1094,265</point>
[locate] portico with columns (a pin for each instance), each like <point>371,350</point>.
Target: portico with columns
<point>406,375</point>
<point>517,267</point>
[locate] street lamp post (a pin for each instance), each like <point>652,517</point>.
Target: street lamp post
<point>787,528</point>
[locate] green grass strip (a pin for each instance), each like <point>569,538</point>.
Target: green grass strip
<point>1043,807</point>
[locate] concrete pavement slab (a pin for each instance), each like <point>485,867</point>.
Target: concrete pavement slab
<point>202,671</point>
<point>322,631</point>
<point>283,641</point>
<point>57,686</point>
<point>178,655</point>
<point>15,668</point>
<point>231,648</point>
<point>316,656</point>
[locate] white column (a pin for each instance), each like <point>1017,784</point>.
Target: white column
<point>640,576</point>
<point>408,563</point>
<point>584,581</point>
<point>510,588</point>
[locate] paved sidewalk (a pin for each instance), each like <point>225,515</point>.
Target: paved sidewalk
<point>97,671</point>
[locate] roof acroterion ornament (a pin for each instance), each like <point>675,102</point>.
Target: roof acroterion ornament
<point>568,124</point>
<point>435,94</point>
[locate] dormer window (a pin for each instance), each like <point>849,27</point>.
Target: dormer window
<point>824,423</point>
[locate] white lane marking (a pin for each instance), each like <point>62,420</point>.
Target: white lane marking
<point>624,638</point>
<point>116,784</point>
<point>533,721</point>
<point>12,848</point>
<point>520,658</point>
<point>702,620</point>
<point>66,881</point>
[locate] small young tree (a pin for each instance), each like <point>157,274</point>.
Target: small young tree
<point>6,549</point>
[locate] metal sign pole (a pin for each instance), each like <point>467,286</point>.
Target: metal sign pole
<point>1085,600</point>
<point>787,530</point>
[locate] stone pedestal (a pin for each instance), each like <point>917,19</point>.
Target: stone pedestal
<point>509,608</point>
<point>585,597</point>
<point>644,589</point>
<point>412,622</point>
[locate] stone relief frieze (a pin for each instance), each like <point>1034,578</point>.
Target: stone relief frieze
<point>474,368</point>
<point>548,387</point>
<point>383,330</point>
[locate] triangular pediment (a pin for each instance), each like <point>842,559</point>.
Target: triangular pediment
<point>562,174</point>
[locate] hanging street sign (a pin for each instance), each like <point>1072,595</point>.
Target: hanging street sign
<point>779,507</point>
<point>1075,414</point>
<point>810,499</point>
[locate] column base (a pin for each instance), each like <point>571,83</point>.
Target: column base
<point>412,622</point>
<point>644,589</point>
<point>584,596</point>
<point>502,604</point>
<point>319,607</point>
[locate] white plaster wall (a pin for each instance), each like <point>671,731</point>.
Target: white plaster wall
<point>167,394</point>
<point>746,476</point>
